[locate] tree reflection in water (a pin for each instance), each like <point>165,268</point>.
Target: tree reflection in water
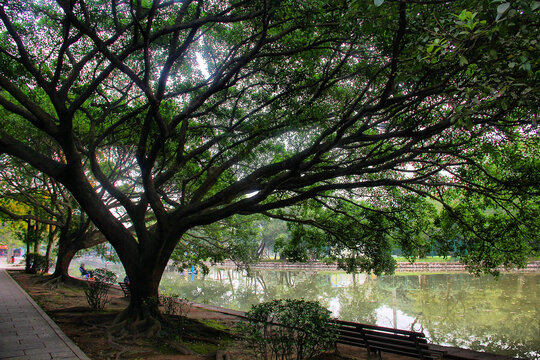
<point>481,313</point>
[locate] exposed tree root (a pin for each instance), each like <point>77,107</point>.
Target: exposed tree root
<point>129,324</point>
<point>180,348</point>
<point>122,349</point>
<point>222,355</point>
<point>54,282</point>
<point>92,326</point>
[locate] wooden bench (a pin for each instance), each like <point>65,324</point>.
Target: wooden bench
<point>125,289</point>
<point>377,339</point>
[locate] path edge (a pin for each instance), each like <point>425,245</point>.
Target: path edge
<point>70,344</point>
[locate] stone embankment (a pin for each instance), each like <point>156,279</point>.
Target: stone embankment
<point>533,266</point>
<point>454,266</point>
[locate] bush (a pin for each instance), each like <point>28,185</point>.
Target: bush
<point>97,291</point>
<point>104,275</point>
<point>175,305</point>
<point>36,263</point>
<point>289,329</point>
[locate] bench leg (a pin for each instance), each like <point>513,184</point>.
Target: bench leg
<point>374,354</point>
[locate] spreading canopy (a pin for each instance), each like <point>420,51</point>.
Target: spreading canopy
<point>185,113</point>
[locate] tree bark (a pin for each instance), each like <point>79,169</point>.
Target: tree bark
<point>142,317</point>
<point>62,264</point>
<point>69,244</point>
<point>50,244</point>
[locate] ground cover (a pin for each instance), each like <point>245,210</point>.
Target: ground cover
<point>203,335</point>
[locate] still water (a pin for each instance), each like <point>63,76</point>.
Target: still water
<point>480,313</point>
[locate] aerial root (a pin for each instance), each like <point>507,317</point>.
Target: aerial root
<point>53,282</point>
<point>125,326</point>
<point>122,349</point>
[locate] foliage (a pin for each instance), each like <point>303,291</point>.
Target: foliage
<point>37,263</point>
<point>360,236</point>
<point>484,241</point>
<point>233,238</point>
<point>32,234</point>
<point>289,329</point>
<point>103,250</point>
<point>185,117</point>
<point>489,232</point>
<point>97,290</point>
<point>429,259</point>
<point>104,275</point>
<point>294,250</point>
<point>271,235</point>
<point>27,195</point>
<point>8,232</point>
<point>175,305</point>
<point>23,200</point>
<point>97,294</point>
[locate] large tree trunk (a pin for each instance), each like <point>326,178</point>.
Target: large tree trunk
<point>69,244</point>
<point>62,264</point>
<point>144,257</point>
<point>260,250</point>
<point>142,317</point>
<point>50,244</point>
<point>67,248</point>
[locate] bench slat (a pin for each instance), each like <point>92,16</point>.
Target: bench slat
<point>125,289</point>
<point>379,328</point>
<point>401,338</point>
<point>378,338</point>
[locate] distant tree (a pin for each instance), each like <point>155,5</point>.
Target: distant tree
<point>188,113</point>
<point>360,234</point>
<point>8,231</point>
<point>23,200</point>
<point>234,238</point>
<point>272,231</point>
<point>49,212</point>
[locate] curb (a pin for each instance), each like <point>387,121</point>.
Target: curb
<point>70,344</point>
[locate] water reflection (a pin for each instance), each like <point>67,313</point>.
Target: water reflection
<point>481,313</point>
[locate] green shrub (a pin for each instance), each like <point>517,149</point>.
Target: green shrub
<point>97,291</point>
<point>36,263</point>
<point>175,305</point>
<point>104,275</point>
<point>289,329</point>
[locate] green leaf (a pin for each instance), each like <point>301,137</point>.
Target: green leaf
<point>378,2</point>
<point>463,60</point>
<point>501,9</point>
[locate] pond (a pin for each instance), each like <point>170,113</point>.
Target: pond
<point>500,316</point>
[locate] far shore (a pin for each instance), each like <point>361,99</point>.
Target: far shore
<point>533,266</point>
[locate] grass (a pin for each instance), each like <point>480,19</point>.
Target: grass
<point>427,259</point>
<point>202,348</point>
<point>213,324</point>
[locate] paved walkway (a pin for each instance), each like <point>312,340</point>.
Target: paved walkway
<point>26,332</point>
